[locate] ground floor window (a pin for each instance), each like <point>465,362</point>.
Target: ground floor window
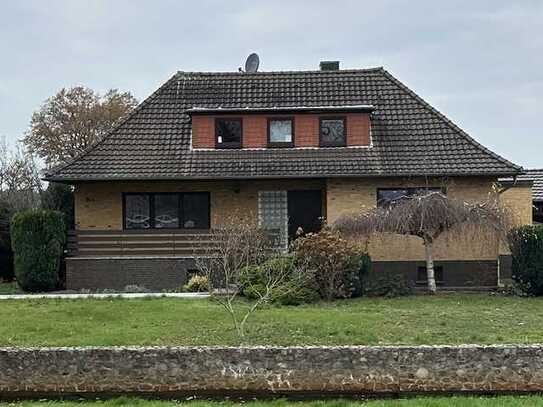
<point>422,275</point>
<point>387,196</point>
<point>189,210</point>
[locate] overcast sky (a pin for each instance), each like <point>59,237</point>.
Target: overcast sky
<point>479,62</point>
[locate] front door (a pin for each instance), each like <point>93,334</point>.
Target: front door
<point>304,211</point>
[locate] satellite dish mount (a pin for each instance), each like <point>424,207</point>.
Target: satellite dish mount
<point>251,65</point>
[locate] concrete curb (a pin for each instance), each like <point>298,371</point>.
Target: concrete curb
<point>102,296</point>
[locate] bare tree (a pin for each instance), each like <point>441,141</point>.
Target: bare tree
<point>231,250</point>
<point>20,183</point>
<point>428,216</point>
<point>72,120</point>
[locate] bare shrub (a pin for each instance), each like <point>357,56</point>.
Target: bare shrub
<point>233,248</point>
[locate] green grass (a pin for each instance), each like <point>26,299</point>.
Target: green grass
<point>9,288</point>
<point>518,401</point>
<point>451,319</point>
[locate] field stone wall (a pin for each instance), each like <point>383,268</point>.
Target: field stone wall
<point>32,372</point>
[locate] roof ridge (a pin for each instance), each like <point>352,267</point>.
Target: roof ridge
<point>316,71</point>
<point>55,170</point>
<point>449,122</point>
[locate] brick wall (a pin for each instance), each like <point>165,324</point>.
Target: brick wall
<point>99,206</point>
<point>155,274</point>
<point>350,195</point>
<point>267,371</point>
<point>306,130</point>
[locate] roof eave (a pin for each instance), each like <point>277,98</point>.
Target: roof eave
<point>281,109</point>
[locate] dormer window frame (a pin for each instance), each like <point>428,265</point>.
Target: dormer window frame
<point>228,145</point>
<point>323,143</point>
<point>281,144</point>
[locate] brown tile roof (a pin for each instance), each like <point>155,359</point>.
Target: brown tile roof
<point>409,136</point>
<point>536,176</point>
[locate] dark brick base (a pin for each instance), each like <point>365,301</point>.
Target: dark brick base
<point>167,273</point>
<point>455,273</point>
<point>152,273</point>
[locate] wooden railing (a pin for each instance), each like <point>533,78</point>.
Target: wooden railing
<point>154,243</point>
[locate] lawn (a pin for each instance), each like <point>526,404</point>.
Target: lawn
<point>518,401</point>
<point>446,319</point>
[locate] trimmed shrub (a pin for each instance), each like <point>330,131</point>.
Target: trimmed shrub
<point>6,255</point>
<point>338,265</point>
<point>60,197</point>
<point>526,244</point>
<point>361,263</point>
<point>388,285</point>
<point>197,284</point>
<point>37,238</point>
<point>297,287</point>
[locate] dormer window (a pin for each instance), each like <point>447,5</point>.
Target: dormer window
<point>228,133</point>
<point>280,132</point>
<point>333,132</point>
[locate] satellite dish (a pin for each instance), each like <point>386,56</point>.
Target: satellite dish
<point>251,65</point>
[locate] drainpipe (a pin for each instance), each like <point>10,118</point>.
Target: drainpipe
<point>498,262</point>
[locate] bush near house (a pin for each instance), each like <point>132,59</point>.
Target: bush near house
<point>196,284</point>
<point>338,267</point>
<point>37,238</point>
<point>6,255</point>
<point>526,243</point>
<point>298,287</point>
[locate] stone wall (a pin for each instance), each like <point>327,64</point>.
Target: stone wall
<point>270,370</point>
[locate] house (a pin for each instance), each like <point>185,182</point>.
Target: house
<point>282,149</point>
<point>517,187</point>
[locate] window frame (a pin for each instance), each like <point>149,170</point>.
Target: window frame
<point>281,144</point>
<point>180,210</point>
<point>328,144</point>
<point>443,190</point>
<point>229,145</point>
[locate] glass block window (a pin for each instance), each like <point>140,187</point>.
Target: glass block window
<point>228,133</point>
<point>280,132</point>
<point>333,132</point>
<point>273,213</point>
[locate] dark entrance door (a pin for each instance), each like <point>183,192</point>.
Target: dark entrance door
<point>304,211</point>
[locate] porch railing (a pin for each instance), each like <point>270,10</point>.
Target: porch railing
<point>152,243</point>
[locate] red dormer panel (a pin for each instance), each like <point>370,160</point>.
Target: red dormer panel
<point>306,129</point>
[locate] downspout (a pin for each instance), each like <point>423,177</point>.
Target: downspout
<point>498,261</point>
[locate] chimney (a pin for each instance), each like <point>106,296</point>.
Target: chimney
<point>329,65</point>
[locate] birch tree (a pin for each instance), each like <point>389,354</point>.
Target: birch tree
<point>428,216</point>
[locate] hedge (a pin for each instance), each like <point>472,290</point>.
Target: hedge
<point>37,238</point>
<point>526,243</point>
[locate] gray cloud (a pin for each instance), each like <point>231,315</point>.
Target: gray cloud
<point>480,62</point>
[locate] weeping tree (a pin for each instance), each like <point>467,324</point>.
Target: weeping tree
<point>429,216</point>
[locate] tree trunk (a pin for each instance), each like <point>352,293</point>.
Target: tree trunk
<point>430,266</point>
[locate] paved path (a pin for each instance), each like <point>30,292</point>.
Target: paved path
<point>113,295</point>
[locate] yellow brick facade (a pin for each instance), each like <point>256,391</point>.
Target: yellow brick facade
<point>99,206</point>
<point>350,195</point>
